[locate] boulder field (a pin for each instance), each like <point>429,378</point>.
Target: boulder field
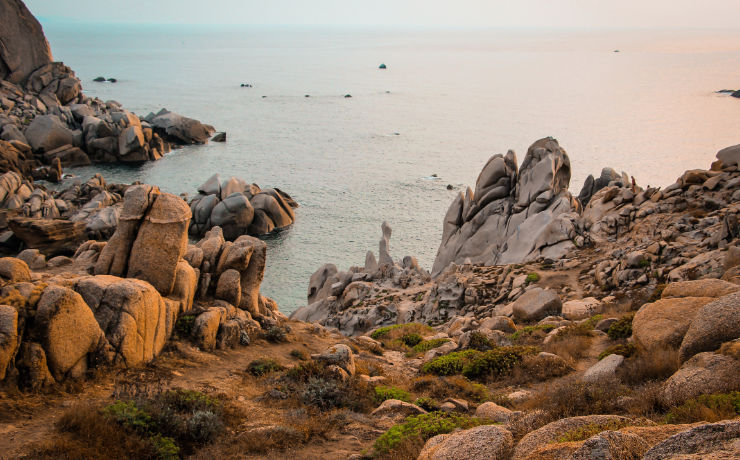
<point>116,303</point>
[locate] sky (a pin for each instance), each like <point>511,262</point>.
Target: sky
<point>414,13</point>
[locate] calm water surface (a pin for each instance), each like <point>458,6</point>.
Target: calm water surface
<point>447,102</point>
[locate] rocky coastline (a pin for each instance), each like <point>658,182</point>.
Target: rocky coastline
<point>550,326</point>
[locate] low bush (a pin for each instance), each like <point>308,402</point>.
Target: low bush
<point>478,365</point>
<point>383,393</point>
<point>622,328</point>
<point>428,404</point>
<point>411,339</point>
<point>184,326</point>
<point>455,386</point>
<point>537,332</point>
<point>416,430</point>
<point>276,334</point>
<point>570,347</point>
<point>426,345</point>
<point>624,349</point>
<point>480,342</point>
<point>313,385</point>
<point>263,366</point>
<point>532,278</point>
<point>570,397</point>
<point>395,331</point>
<point>298,354</point>
<point>707,408</point>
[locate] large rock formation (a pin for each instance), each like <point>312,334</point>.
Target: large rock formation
<point>240,208</point>
<point>23,45</point>
<point>514,215</point>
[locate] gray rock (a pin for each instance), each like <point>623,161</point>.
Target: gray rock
<point>536,304</point>
<point>25,48</point>
<point>603,370</point>
<point>339,355</point>
<point>704,373</point>
<point>486,442</point>
<point>700,442</point>
<point>47,132</point>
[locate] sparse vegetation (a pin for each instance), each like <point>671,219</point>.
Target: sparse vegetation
<point>478,365</point>
<point>524,333</point>
<point>427,345</point>
<point>415,430</point>
<point>428,404</point>
<point>532,278</point>
<point>622,328</point>
<point>263,366</point>
<point>383,393</point>
<point>184,325</point>
<point>276,334</point>
<point>585,432</point>
<point>709,408</point>
<point>624,349</point>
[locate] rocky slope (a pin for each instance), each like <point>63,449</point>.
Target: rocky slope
<point>47,122</point>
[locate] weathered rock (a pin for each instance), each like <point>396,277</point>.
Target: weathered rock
<point>47,132</point>
<point>8,337</point>
<point>498,323</point>
<point>611,445</point>
<point>603,370</point>
<point>397,409</point>
<point>486,442</point>
<point>535,304</point>
<point>580,309</point>
<point>24,46</point>
<point>33,258</point>
<point>715,323</point>
<point>32,366</point>
<point>67,330</point>
<point>704,373</point>
<point>14,270</point>
<point>709,441</point>
<point>50,236</point>
<point>134,317</point>
<point>513,216</point>
<point>205,328</point>
<point>180,129</point>
<point>663,324</point>
<point>339,355</point>
<point>492,411</point>
<point>552,431</point>
<point>160,243</point>
<point>699,288</point>
<point>229,287</point>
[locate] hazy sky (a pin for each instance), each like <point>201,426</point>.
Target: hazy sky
<point>459,13</point>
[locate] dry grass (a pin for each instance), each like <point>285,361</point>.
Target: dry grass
<point>536,369</point>
<point>456,386</point>
<point>646,367</point>
<point>570,347</point>
<point>85,433</point>
<point>570,397</point>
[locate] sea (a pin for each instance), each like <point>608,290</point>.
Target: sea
<point>640,101</point>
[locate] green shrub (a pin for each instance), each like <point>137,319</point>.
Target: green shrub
<point>204,426</point>
<point>426,345</point>
<point>532,278</point>
<point>478,365</point>
<point>621,329</point>
<point>625,350</point>
<point>480,342</point>
<point>382,332</point>
<point>495,363</point>
<point>383,393</point>
<point>428,404</point>
<point>449,364</point>
<point>411,340</point>
<point>714,407</point>
<point>184,325</point>
<point>423,427</point>
<point>262,366</point>
<point>298,354</point>
<point>323,393</point>
<point>529,330</point>
<point>188,400</point>
<point>166,447</point>
<point>276,334</point>
<point>129,415</point>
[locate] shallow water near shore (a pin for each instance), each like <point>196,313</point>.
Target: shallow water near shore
<point>447,102</point>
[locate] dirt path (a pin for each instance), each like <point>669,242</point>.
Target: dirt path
<point>26,419</point>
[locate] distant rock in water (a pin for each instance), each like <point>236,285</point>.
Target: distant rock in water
<point>382,66</point>
<point>99,79</point>
<point>514,215</point>
<point>177,128</point>
<point>112,80</point>
<point>240,208</point>
<point>219,137</point>
<point>736,94</point>
<point>347,96</point>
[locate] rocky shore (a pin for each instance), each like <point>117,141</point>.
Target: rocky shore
<point>551,326</point>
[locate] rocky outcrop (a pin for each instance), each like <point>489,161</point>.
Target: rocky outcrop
<point>24,46</point>
<point>715,323</point>
<point>486,442</point>
<point>661,325</point>
<point>514,215</point>
<point>240,208</point>
<point>712,440</point>
<point>179,129</point>
<point>704,373</point>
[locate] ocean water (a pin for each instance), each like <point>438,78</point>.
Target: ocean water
<point>448,100</point>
